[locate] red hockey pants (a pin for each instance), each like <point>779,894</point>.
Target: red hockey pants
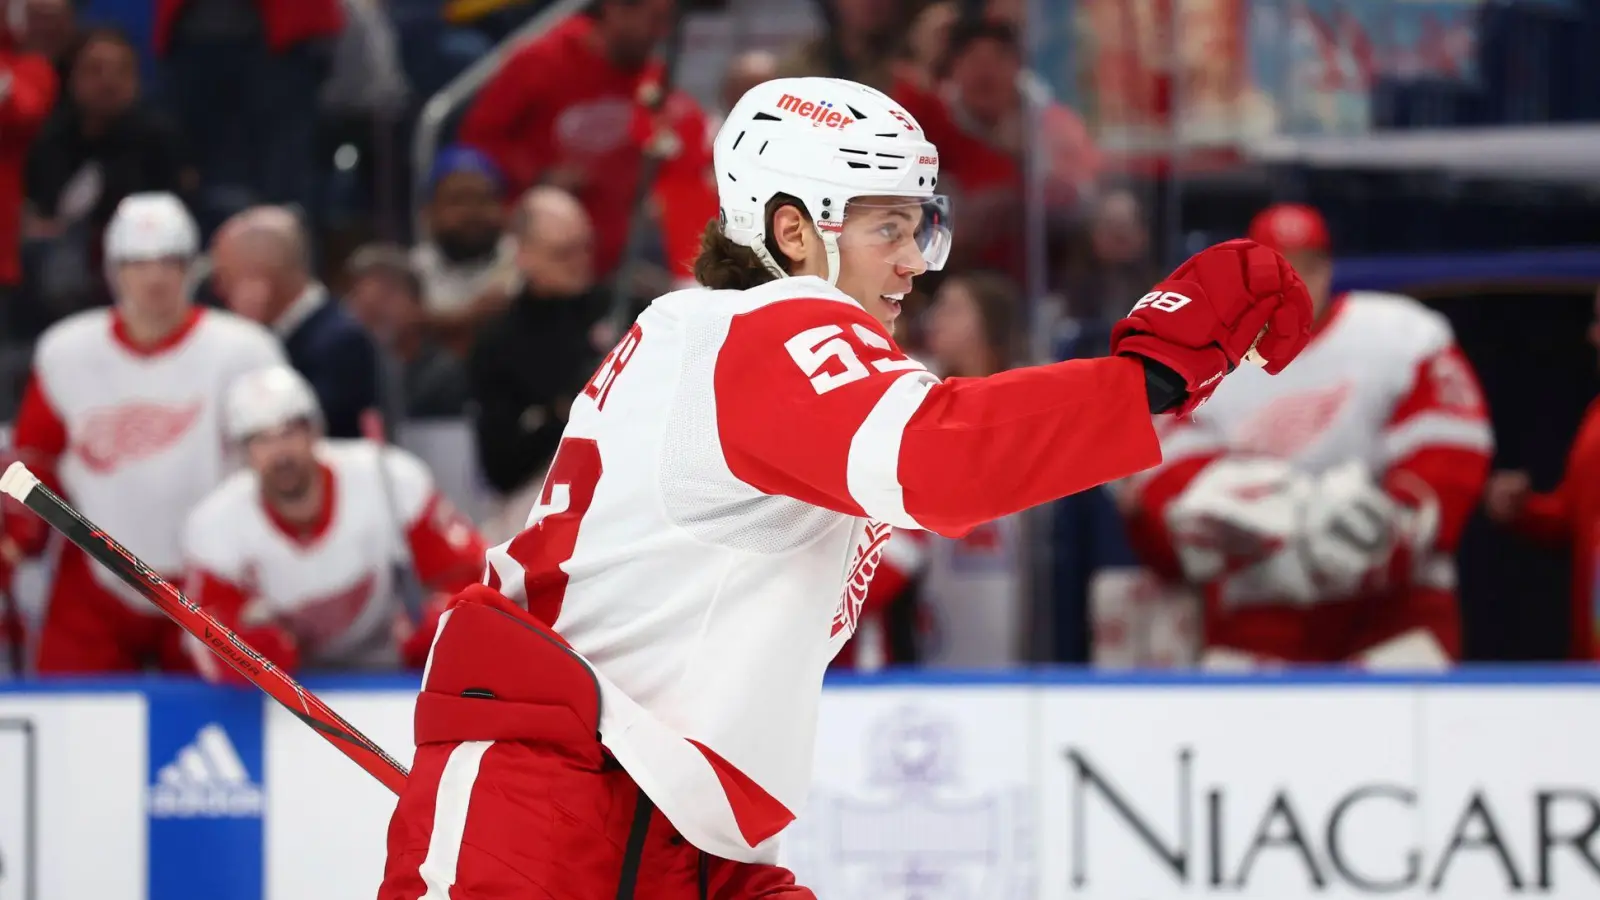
<point>512,796</point>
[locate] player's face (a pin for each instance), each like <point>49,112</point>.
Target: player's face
<point>284,460</point>
<point>151,288</point>
<point>879,253</point>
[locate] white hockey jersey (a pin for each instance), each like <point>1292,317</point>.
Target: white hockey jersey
<point>720,501</point>
<point>330,585</point>
<point>133,435</point>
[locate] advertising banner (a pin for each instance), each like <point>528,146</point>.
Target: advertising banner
<point>1508,792</point>
<point>206,799</point>
<point>1321,791</point>
<point>72,775</point>
<point>920,793</point>
<point>1129,788</point>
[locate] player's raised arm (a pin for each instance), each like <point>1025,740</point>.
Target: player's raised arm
<point>815,401</point>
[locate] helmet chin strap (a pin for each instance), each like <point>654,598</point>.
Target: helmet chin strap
<point>830,246</point>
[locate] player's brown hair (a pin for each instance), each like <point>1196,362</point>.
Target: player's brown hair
<point>725,266</point>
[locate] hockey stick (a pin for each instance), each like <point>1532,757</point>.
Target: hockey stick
<point>621,290</point>
<point>25,487</point>
<point>12,638</point>
<point>408,582</point>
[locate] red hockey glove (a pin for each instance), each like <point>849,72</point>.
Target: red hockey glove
<point>1214,309</point>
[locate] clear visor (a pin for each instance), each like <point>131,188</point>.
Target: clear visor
<point>912,233</point>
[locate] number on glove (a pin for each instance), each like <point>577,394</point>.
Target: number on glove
<point>1166,301</point>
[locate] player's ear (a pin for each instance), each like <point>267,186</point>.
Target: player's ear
<point>796,239</point>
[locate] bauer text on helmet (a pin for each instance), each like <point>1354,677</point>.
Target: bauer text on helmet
<point>825,142</point>
<point>268,399</point>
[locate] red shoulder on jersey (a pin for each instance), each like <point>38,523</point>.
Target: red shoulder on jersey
<point>816,402</point>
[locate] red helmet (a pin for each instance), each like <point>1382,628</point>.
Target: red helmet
<point>1286,227</point>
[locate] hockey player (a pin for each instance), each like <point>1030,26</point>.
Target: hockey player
<point>299,552</point>
<point>1317,512</point>
<point>122,414</point>
<point>627,707</point>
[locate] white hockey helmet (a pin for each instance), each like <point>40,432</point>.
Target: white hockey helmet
<point>824,141</point>
<point>268,398</point>
<point>153,225</point>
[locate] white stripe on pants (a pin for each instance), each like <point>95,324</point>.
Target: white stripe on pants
<point>438,869</point>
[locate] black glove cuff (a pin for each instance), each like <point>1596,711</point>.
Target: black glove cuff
<point>1164,388</point>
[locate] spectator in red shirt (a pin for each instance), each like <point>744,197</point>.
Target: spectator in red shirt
<point>27,94</point>
<point>568,110</point>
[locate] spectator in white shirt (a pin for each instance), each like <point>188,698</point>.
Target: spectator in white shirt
<point>465,261</point>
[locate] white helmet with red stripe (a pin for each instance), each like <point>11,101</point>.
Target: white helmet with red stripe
<point>824,142</point>
<point>153,225</point>
<point>268,399</point>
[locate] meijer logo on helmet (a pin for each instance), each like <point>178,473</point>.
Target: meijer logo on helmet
<point>821,114</point>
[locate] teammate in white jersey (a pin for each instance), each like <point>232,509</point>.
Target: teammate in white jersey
<point>300,552</point>
<point>721,498</point>
<point>1317,512</point>
<point>122,415</point>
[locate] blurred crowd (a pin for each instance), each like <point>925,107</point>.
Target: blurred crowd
<point>572,188</point>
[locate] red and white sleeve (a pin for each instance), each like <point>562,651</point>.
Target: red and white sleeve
<point>815,401</point>
<point>39,439</point>
<point>445,547</point>
<point>1438,442</point>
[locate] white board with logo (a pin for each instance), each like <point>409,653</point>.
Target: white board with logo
<point>919,795</point>
<point>1319,791</point>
